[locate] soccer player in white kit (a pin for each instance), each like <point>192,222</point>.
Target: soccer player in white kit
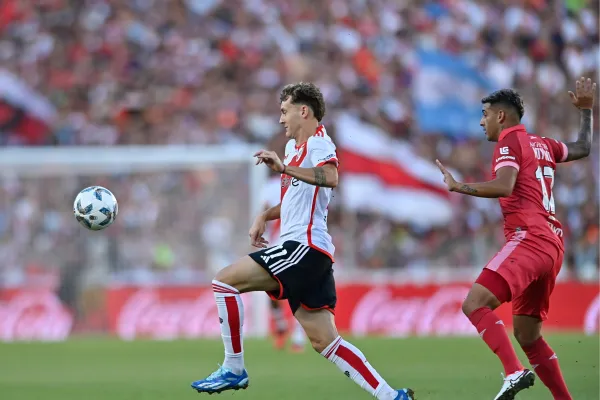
<point>272,197</point>
<point>300,268</point>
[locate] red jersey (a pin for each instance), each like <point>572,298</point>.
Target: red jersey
<point>530,207</point>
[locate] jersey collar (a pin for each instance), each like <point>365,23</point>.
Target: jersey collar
<point>320,131</point>
<point>515,128</point>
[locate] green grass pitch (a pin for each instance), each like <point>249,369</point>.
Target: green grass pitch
<point>436,368</point>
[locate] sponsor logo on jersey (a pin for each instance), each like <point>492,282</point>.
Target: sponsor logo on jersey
<point>287,180</point>
<point>504,158</point>
<point>329,157</point>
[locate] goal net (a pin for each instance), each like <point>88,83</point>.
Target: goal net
<point>184,213</point>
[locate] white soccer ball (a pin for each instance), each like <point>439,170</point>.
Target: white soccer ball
<point>95,208</point>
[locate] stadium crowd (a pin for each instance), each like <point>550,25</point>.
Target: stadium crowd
<point>209,72</point>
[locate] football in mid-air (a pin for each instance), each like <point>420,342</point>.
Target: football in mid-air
<point>95,208</point>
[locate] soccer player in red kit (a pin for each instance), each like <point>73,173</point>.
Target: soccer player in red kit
<point>524,270</point>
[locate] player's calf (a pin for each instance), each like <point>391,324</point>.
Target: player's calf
<point>545,364</point>
<point>542,358</point>
<point>231,318</point>
<point>322,333</point>
<point>232,375</point>
<point>229,283</point>
<point>353,363</point>
<point>484,319</point>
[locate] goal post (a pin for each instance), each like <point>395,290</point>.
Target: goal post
<point>184,212</point>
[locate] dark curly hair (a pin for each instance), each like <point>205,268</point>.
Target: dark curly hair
<point>307,94</point>
<point>507,97</point>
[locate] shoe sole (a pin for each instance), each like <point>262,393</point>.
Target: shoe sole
<point>243,386</point>
<point>524,383</point>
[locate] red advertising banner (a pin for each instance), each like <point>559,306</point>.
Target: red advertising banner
<point>166,312</point>
<point>401,310</point>
<point>33,314</point>
<point>363,309</point>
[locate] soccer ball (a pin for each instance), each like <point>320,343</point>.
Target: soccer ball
<point>95,208</point>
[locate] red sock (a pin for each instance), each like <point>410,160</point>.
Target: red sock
<point>545,363</point>
<point>492,331</point>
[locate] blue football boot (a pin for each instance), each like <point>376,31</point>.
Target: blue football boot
<point>221,380</point>
<point>405,394</point>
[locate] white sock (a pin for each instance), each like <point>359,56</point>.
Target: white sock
<point>298,336</point>
<point>231,317</point>
<point>354,365</point>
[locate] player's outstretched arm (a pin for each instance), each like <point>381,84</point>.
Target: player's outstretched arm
<point>583,99</point>
<point>502,186</point>
<point>581,148</point>
<point>325,176</point>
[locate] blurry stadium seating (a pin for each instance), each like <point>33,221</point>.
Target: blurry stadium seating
<point>112,73</point>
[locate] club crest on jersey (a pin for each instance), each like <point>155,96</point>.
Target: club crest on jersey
<point>286,181</point>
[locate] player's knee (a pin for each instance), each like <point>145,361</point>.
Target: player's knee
<point>321,338</point>
<point>234,276</point>
<point>320,342</point>
<point>526,337</point>
<point>479,296</point>
<point>466,308</point>
<point>472,303</point>
<point>226,276</point>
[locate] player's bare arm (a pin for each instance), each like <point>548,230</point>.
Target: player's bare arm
<point>325,176</point>
<point>583,99</point>
<point>259,226</point>
<point>272,213</point>
<point>502,186</point>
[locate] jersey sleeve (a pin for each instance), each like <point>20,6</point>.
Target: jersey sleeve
<point>321,152</point>
<point>559,150</point>
<point>507,154</point>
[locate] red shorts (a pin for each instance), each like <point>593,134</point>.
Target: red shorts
<point>529,264</point>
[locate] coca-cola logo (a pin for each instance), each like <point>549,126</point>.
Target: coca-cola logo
<point>34,316</point>
<point>145,314</point>
<point>592,316</point>
<point>378,312</point>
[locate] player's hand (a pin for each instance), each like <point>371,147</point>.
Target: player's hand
<point>257,230</point>
<point>271,159</point>
<point>448,178</point>
<point>585,91</point>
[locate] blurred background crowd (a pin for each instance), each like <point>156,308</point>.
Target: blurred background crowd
<point>115,72</point>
